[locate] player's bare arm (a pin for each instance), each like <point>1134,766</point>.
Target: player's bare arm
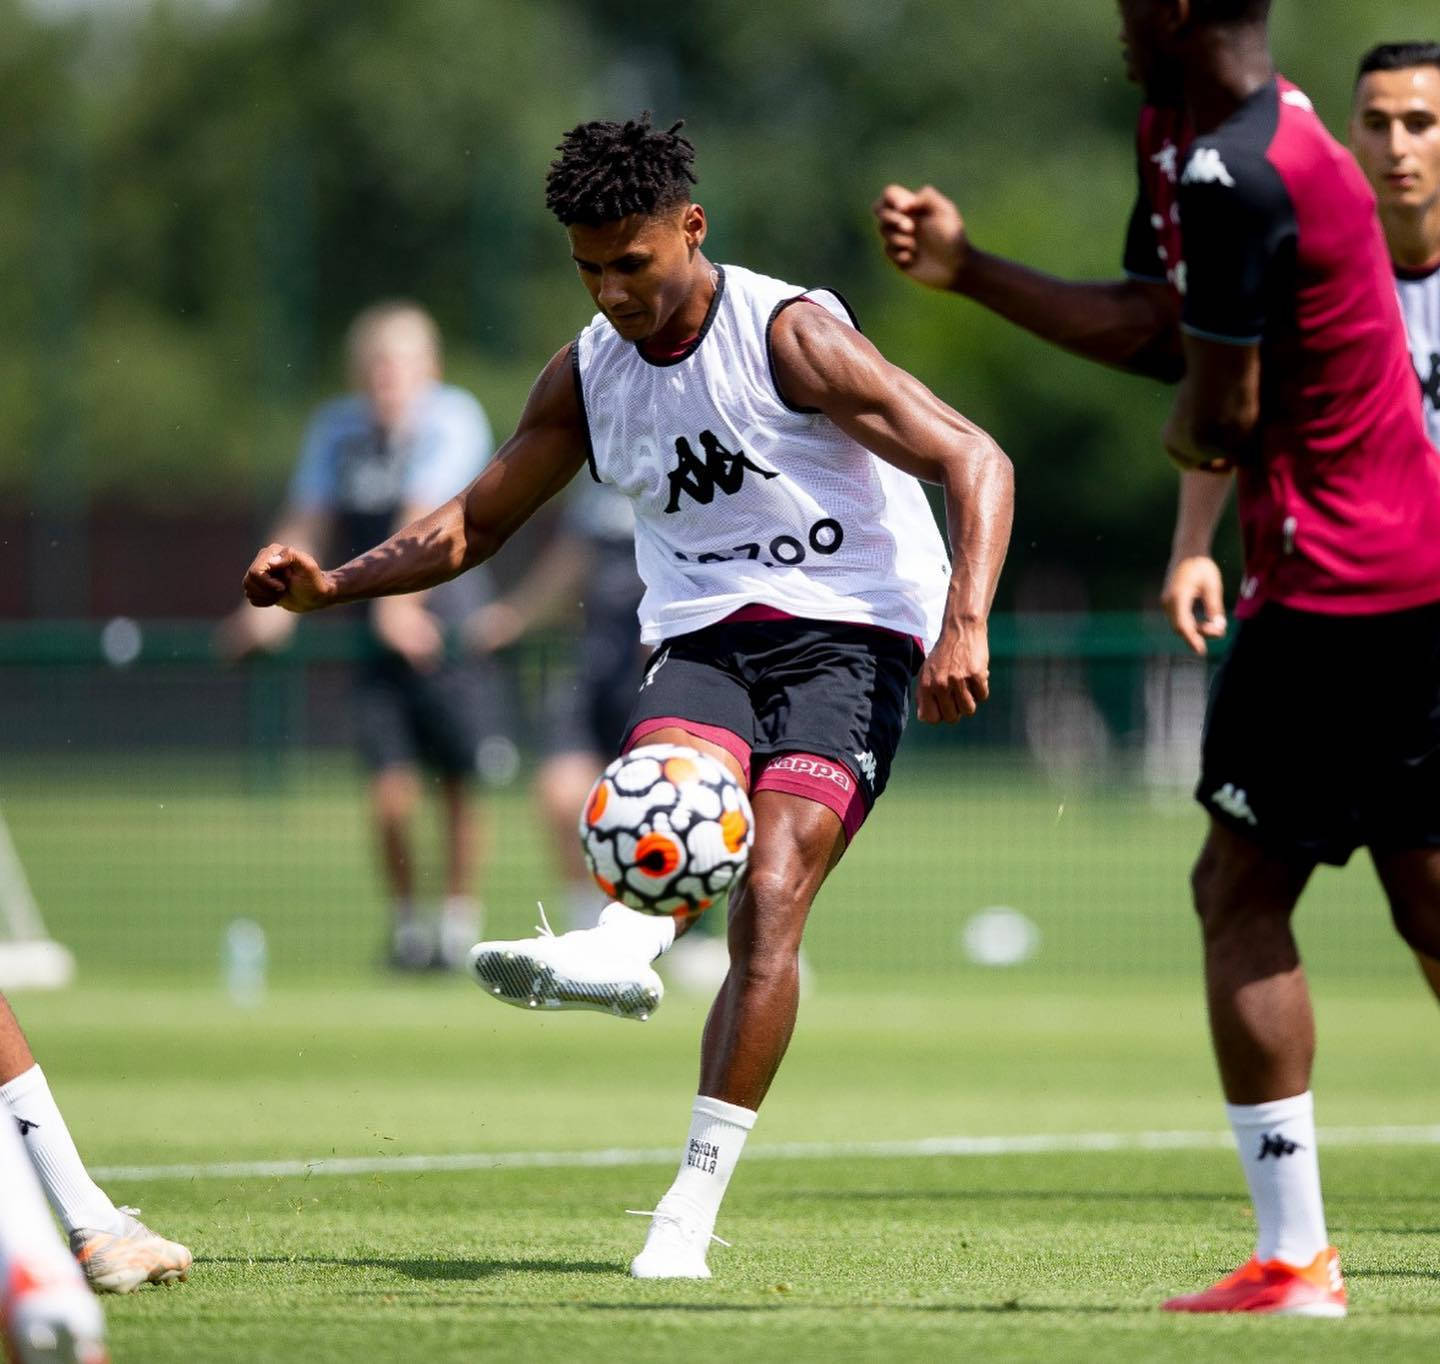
<point>1130,324</point>
<point>1214,423</point>
<point>1193,597</point>
<point>821,363</point>
<point>544,454</point>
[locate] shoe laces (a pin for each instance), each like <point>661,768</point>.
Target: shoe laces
<point>543,927</point>
<point>658,1216</point>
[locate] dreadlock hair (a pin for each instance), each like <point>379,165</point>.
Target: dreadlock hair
<point>1398,57</point>
<point>607,171</point>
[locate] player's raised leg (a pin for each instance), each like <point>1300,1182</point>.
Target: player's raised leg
<point>118,1252</point>
<point>797,842</point>
<point>1264,1035</point>
<point>606,968</point>
<point>47,1313</point>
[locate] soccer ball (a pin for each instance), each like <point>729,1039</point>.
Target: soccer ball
<point>666,830</point>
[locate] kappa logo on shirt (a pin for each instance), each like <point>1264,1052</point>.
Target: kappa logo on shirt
<point>1207,168</point>
<point>721,468</point>
<point>1430,388</point>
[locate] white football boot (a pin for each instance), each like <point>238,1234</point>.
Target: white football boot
<point>675,1247</point>
<point>119,1262</point>
<point>584,969</point>
<point>50,1317</point>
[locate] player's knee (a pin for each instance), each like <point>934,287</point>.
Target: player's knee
<point>1214,892</point>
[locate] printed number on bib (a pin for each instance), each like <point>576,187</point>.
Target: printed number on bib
<point>825,537</point>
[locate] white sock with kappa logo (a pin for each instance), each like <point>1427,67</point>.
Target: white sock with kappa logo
<point>712,1150</point>
<point>78,1201</point>
<point>1276,1143</point>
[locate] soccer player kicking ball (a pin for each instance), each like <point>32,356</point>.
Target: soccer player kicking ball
<point>1259,278</point>
<point>795,583</point>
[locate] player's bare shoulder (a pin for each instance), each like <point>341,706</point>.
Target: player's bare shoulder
<point>814,353</point>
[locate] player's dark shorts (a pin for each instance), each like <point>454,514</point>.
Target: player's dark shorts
<point>439,721</point>
<point>1323,733</point>
<point>807,707</point>
<point>586,711</point>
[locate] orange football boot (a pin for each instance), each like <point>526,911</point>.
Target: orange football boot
<point>1285,1290</point>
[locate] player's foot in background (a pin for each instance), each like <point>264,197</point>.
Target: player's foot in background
<point>460,924</point>
<point>1285,1290</point>
<point>675,1247</point>
<point>50,1317</point>
<point>585,969</point>
<point>119,1262</point>
<point>412,945</point>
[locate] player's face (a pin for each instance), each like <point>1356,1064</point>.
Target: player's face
<point>1395,135</point>
<point>395,365</point>
<point>639,269</point>
<point>1143,28</point>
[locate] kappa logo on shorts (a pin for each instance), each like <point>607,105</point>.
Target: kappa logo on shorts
<point>1235,803</point>
<point>866,762</point>
<point>661,659</point>
<point>813,767</point>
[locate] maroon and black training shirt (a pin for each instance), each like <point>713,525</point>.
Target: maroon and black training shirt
<point>1266,228</point>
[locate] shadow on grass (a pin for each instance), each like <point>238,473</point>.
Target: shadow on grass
<point>958,1308</point>
<point>454,1271</point>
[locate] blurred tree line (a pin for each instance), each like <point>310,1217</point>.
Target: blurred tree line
<point>197,198</point>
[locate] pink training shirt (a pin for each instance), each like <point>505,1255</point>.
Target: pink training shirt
<point>1267,229</point>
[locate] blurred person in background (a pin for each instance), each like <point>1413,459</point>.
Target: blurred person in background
<point>1258,279</point>
<point>1395,135</point>
<point>372,461</point>
<point>117,1252</point>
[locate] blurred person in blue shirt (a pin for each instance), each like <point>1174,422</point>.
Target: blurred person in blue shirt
<point>373,460</point>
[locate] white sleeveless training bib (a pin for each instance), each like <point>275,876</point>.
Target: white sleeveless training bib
<point>1420,305</point>
<point>741,500</point>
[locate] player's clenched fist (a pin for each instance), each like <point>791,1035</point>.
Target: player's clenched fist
<point>283,576</point>
<point>955,679</point>
<point>924,234</point>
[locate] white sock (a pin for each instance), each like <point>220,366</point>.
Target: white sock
<point>646,934</point>
<point>26,1228</point>
<point>584,903</point>
<point>717,1136</point>
<point>1277,1150</point>
<point>78,1201</point>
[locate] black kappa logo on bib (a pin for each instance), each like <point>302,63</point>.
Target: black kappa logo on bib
<point>721,468</point>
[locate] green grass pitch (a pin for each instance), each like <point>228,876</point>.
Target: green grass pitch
<point>1026,1256</point>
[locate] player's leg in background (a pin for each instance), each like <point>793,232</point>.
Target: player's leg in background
<point>797,843</point>
<point>562,782</point>
<point>118,1252</point>
<point>464,832</point>
<point>1412,885</point>
<point>46,1310</point>
<point>394,799</point>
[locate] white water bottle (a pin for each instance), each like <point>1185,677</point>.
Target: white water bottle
<point>246,959</point>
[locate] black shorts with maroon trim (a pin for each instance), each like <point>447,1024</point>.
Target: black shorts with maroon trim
<point>437,721</point>
<point>1323,733</point>
<point>810,707</point>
